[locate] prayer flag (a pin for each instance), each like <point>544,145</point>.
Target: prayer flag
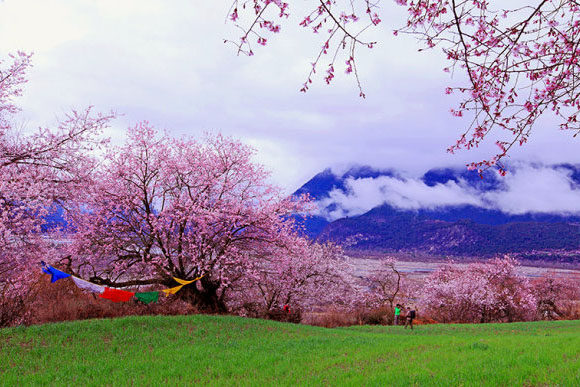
<point>184,282</point>
<point>117,295</point>
<point>55,273</point>
<point>178,288</point>
<point>147,297</point>
<point>172,290</point>
<point>86,285</point>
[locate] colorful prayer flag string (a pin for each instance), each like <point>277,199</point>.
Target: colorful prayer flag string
<point>115,295</point>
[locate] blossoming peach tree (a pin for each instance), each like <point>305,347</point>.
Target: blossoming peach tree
<point>299,277</point>
<point>519,60</point>
<point>160,207</point>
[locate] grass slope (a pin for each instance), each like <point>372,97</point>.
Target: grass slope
<point>229,350</point>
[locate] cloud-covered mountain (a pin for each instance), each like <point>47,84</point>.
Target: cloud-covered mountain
<point>449,211</point>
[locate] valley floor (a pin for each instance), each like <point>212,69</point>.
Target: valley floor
<point>420,269</point>
<point>216,350</point>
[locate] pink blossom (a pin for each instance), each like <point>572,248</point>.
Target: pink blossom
<point>160,207</point>
<point>480,292</point>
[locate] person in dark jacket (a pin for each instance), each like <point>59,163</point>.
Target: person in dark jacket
<point>409,317</point>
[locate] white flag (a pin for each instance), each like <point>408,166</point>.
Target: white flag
<point>86,285</point>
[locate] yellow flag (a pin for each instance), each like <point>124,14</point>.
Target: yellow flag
<point>178,288</point>
<point>184,282</point>
<point>172,290</point>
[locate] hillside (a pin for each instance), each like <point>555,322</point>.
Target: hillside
<point>389,230</point>
<point>231,350</point>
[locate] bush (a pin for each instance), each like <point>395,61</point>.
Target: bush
<point>360,316</point>
<point>12,306</point>
<point>292,317</point>
<point>329,319</point>
<point>16,292</point>
<point>62,301</point>
<point>375,316</point>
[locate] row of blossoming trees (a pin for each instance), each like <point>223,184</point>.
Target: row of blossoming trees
<point>159,207</point>
<point>494,291</point>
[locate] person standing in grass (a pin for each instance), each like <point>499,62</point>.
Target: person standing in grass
<point>409,317</point>
<point>397,313</point>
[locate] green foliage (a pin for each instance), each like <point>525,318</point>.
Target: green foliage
<point>230,350</point>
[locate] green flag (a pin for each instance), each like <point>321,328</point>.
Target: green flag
<point>147,297</point>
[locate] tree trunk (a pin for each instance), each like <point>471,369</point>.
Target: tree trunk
<point>206,300</point>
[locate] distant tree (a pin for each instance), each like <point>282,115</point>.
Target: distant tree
<point>385,283</point>
<point>520,60</point>
<point>480,292</point>
<point>556,297</point>
<point>160,207</point>
<point>304,276</point>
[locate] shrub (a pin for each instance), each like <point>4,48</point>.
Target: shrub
<point>63,301</point>
<point>375,316</point>
<point>12,306</point>
<point>330,319</point>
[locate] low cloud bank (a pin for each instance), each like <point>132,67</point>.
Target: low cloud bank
<point>526,189</point>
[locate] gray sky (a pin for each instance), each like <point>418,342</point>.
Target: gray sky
<point>165,62</point>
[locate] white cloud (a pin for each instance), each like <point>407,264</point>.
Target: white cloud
<point>404,193</point>
<point>40,26</point>
<point>537,189</point>
<point>526,189</point>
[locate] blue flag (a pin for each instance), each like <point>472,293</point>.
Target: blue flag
<point>55,273</point>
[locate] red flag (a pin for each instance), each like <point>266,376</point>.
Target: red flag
<point>116,295</point>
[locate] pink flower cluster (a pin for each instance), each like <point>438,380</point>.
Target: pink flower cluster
<point>520,63</point>
<point>37,171</point>
<point>340,24</point>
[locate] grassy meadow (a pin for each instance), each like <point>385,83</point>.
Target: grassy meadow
<point>216,350</point>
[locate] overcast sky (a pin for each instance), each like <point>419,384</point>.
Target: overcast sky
<point>165,62</point>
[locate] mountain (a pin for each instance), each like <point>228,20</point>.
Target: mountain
<point>320,187</point>
<point>323,183</point>
<point>390,230</point>
<point>481,228</point>
<point>54,220</point>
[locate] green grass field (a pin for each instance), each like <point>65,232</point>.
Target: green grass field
<point>217,350</point>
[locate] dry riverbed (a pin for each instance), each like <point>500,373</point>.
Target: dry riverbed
<point>418,270</point>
